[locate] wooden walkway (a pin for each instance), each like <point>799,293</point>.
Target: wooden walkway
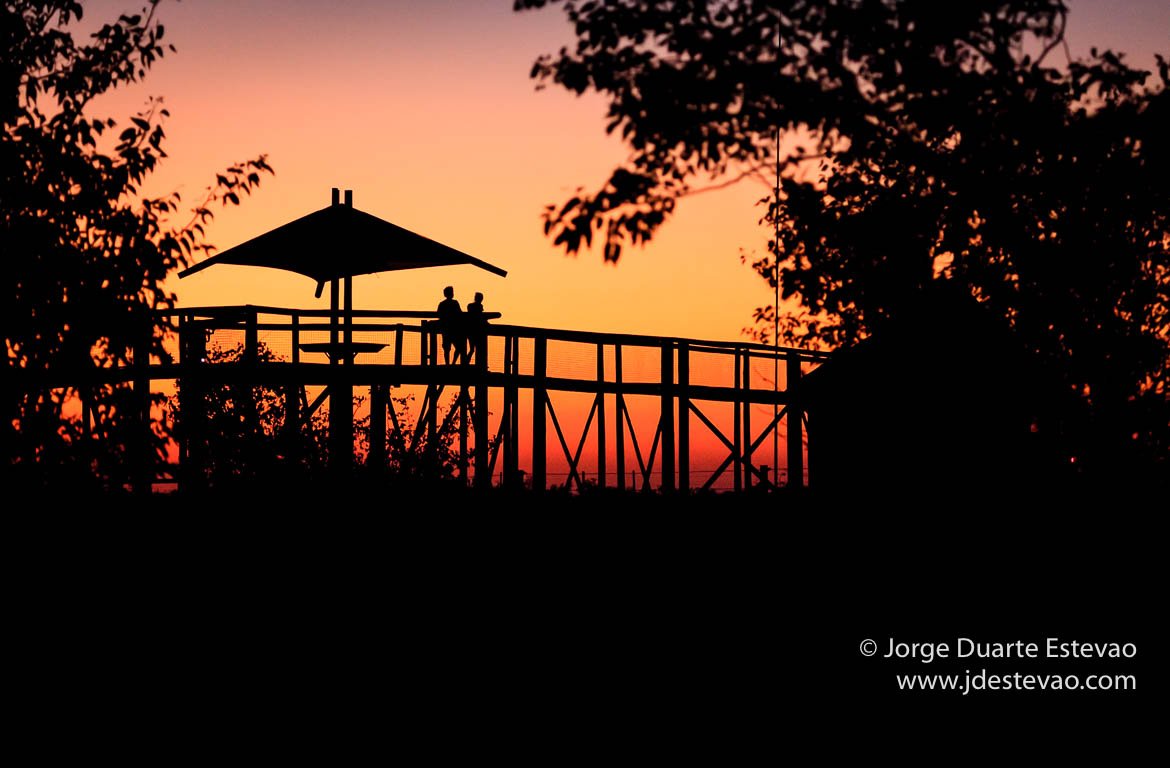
<point>514,368</point>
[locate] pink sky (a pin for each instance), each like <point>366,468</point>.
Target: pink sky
<point>425,109</point>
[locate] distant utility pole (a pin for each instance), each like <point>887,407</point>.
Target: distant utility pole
<point>776,319</point>
<point>776,301</point>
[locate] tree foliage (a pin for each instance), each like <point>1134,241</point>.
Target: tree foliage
<point>85,252</point>
<point>918,143</point>
<point>243,432</point>
<point>245,442</point>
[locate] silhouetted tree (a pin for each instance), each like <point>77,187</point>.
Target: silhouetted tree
<point>243,431</point>
<point>85,254</point>
<point>413,455</point>
<point>245,441</point>
<point>918,142</point>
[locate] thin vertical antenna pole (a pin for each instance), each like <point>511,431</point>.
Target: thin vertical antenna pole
<point>776,315</point>
<point>776,302</point>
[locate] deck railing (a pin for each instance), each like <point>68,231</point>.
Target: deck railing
<point>509,366</point>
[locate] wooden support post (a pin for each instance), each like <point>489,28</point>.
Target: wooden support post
<point>667,418</point>
<point>539,413</point>
<point>340,393</point>
<point>684,417</point>
<point>292,400</point>
<point>737,437</point>
<point>795,417</point>
<point>251,339</point>
<point>193,404</point>
<point>379,394</point>
<point>347,336</point>
<point>748,467</point>
<point>601,457</point>
<point>511,432</point>
<point>334,319</point>
<point>143,460</point>
<point>295,325</point>
<point>340,422</point>
<point>244,392</point>
<point>518,477</point>
<point>619,407</point>
<point>432,361</point>
<point>292,420</point>
<point>345,394</point>
<point>464,429</point>
<point>483,478</point>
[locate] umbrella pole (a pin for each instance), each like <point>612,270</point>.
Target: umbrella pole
<point>340,393</point>
<point>334,307</point>
<point>348,318</point>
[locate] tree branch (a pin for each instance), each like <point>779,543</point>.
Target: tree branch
<point>1058,40</point>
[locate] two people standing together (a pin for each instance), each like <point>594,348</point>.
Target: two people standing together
<point>461,330</point>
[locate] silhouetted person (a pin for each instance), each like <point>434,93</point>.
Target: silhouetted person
<point>475,309</point>
<point>450,320</point>
<point>475,323</point>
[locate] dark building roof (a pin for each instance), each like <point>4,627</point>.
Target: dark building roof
<point>944,396</point>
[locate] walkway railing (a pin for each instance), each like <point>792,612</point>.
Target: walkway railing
<point>515,372</point>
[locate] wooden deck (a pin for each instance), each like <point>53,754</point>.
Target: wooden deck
<point>510,365</point>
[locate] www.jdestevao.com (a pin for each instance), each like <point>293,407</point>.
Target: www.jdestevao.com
<point>980,680</point>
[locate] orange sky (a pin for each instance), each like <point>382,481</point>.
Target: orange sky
<point>431,119</point>
<point>425,109</point>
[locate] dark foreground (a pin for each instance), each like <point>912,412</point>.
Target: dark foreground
<point>550,627</point>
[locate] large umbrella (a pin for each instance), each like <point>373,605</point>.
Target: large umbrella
<point>336,243</point>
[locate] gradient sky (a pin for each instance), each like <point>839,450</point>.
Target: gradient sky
<point>426,110</point>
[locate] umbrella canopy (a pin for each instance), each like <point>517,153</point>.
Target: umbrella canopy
<point>341,241</point>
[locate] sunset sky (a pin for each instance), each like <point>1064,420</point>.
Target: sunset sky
<point>425,109</point>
